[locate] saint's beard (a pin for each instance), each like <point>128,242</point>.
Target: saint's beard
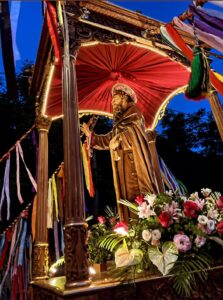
<point>117,112</point>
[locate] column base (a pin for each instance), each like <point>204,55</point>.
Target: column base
<point>40,261</point>
<point>76,255</point>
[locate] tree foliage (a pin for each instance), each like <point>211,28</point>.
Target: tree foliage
<point>190,145</point>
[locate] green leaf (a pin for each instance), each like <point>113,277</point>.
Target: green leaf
<point>187,271</point>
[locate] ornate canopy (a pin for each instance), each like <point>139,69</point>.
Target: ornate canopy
<point>112,45</point>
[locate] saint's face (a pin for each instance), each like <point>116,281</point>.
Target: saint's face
<point>116,101</point>
<point>119,101</point>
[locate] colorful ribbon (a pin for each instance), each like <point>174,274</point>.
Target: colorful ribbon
<point>189,54</point>
<point>5,189</point>
<point>27,170</point>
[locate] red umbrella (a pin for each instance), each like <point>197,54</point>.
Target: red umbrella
<point>153,76</point>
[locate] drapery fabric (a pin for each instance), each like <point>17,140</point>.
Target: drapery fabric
<point>189,54</point>
<point>204,20</point>
<point>218,3</point>
<point>153,77</point>
<point>208,38</point>
<point>51,17</point>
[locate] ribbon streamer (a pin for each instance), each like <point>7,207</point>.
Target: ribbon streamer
<point>54,189</point>
<point>50,205</point>
<point>5,189</point>
<point>218,3</point>
<point>189,54</point>
<point>28,171</point>
<point>208,38</point>
<point>17,176</point>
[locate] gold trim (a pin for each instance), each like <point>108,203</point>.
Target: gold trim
<point>76,224</point>
<point>46,92</point>
<point>41,244</point>
<point>163,106</point>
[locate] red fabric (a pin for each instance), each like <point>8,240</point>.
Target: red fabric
<point>218,85</point>
<point>152,76</point>
<point>20,279</point>
<point>8,237</point>
<point>51,18</point>
<point>14,286</point>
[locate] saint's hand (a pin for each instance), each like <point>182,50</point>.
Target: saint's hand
<point>85,129</point>
<point>114,143</point>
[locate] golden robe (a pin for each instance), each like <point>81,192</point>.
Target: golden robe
<point>130,156</point>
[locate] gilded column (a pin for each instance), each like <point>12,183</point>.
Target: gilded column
<point>217,111</point>
<point>155,160</point>
<point>41,246</point>
<point>75,235</point>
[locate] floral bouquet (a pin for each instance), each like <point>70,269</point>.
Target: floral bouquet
<point>175,234</point>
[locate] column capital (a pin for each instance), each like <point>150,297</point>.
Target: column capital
<point>43,123</point>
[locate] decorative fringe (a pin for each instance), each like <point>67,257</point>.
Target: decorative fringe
<point>199,83</point>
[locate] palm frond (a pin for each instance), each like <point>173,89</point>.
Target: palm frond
<point>110,241</point>
<point>132,206</point>
<point>188,270</point>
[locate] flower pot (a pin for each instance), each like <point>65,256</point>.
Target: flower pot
<point>102,267</point>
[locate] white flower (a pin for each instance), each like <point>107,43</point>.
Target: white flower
<point>150,198</point>
<point>146,235</point>
<point>211,225</point>
<point>202,219</point>
<point>156,234</point>
<point>124,258</point>
<point>169,193</point>
<point>145,211</point>
<point>206,192</point>
<point>200,241</point>
<point>194,196</point>
<point>213,213</point>
<point>184,198</point>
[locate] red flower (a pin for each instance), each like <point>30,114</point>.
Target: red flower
<point>112,220</point>
<point>190,209</point>
<point>121,228</point>
<point>219,202</point>
<point>165,219</point>
<point>219,227</point>
<point>101,220</point>
<point>139,199</point>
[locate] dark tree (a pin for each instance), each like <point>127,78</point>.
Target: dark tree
<point>190,145</point>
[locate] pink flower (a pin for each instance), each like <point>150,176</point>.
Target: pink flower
<point>219,227</point>
<point>145,211</point>
<point>173,210</point>
<point>190,209</point>
<point>139,199</point>
<point>182,242</point>
<point>200,241</point>
<point>121,228</point>
<point>165,219</point>
<point>219,202</point>
<point>101,220</point>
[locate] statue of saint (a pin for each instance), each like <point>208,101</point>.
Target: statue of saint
<point>128,144</point>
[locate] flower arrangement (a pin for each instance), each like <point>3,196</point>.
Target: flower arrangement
<point>171,233</point>
<point>103,228</point>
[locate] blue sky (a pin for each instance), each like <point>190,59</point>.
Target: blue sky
<point>30,22</point>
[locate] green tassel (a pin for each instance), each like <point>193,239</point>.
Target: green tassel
<point>199,83</point>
